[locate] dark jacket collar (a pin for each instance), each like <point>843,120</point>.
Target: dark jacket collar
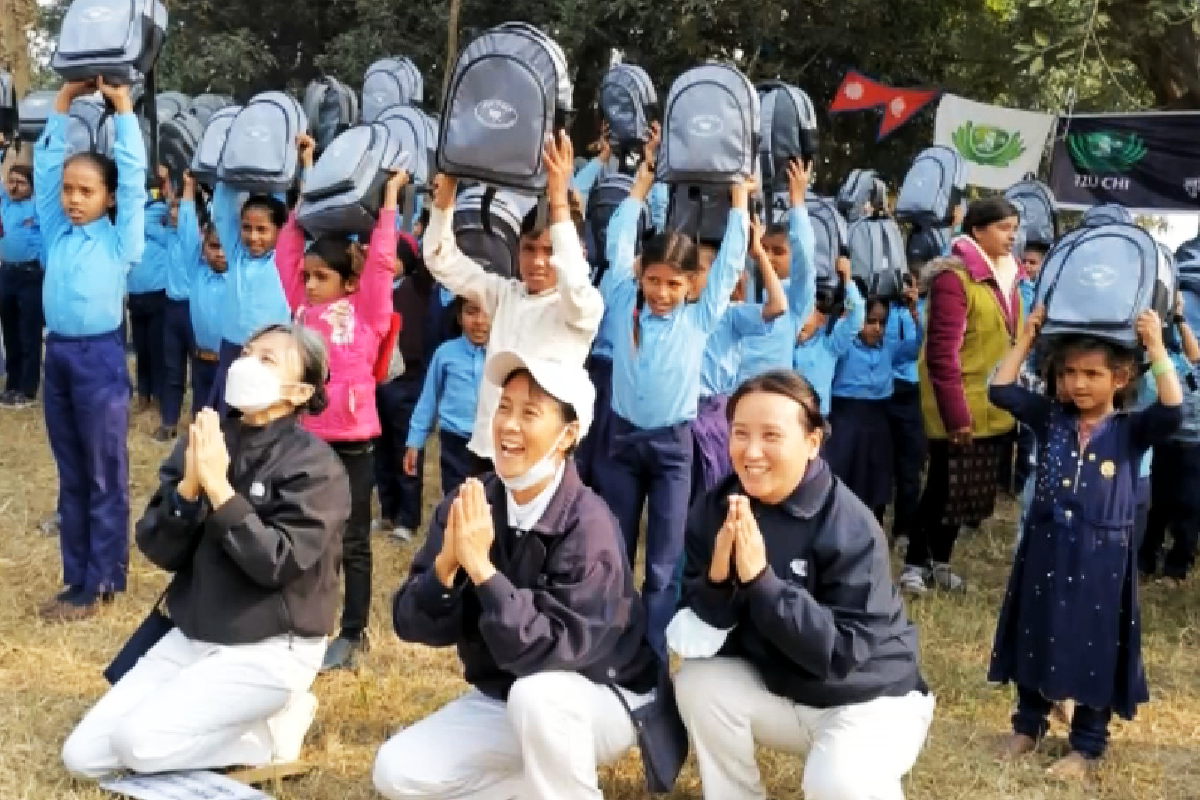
<point>243,435</point>
<point>809,496</point>
<point>557,517</point>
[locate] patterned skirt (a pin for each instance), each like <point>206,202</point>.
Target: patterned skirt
<point>971,473</point>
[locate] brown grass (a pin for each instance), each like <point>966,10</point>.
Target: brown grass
<point>50,675</point>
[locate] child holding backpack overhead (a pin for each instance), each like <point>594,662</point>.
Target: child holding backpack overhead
<point>348,301</point>
<point>823,340</point>
<point>1069,626</point>
<point>147,301</point>
<point>92,215</point>
<point>451,391</point>
<point>552,312</point>
<point>860,445</point>
<point>659,340</point>
<point>197,249</point>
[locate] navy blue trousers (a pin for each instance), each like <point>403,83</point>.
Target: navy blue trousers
<point>216,397</point>
<point>399,494</point>
<point>87,418</point>
<point>147,317</point>
<point>651,468</point>
<point>457,462</point>
<point>1174,507</point>
<point>908,454</point>
<point>21,322</point>
<point>177,348</point>
<point>592,453</point>
<point>1089,726</point>
<point>204,375</point>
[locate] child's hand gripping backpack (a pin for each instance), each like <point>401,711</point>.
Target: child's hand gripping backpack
<point>1039,219</point>
<point>877,256</point>
<point>862,187</point>
<point>118,40</point>
<point>711,125</point>
<point>487,227</point>
<point>628,104</point>
<point>391,82</point>
<point>344,190</point>
<point>932,188</point>
<point>332,108</point>
<point>789,131</point>
<point>206,164</point>
<point>1097,280</point>
<point>260,151</point>
<point>1106,214</point>
<point>411,127</point>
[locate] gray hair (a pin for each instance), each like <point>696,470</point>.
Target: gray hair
<point>314,360</point>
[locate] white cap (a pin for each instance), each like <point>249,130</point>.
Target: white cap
<point>567,383</point>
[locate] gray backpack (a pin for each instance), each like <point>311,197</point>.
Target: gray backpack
<point>1097,280</point>
<point>487,228</point>
<point>628,103</point>
<point>877,256</point>
<point>863,186</point>
<point>789,131</point>
<point>178,140</point>
<point>204,106</point>
<point>118,40</point>
<point>331,108</point>
<point>1106,214</point>
<point>1039,221</point>
<point>602,202</point>
<point>711,125</point>
<point>169,105</point>
<point>34,110</point>
<point>510,89</point>
<point>411,127</point>
<point>90,128</point>
<point>206,164</point>
<point>344,191</point>
<point>260,152</point>
<point>932,188</point>
<point>391,82</point>
<point>1188,255</point>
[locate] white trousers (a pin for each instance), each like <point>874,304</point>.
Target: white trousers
<point>193,705</point>
<point>543,744</point>
<point>857,752</point>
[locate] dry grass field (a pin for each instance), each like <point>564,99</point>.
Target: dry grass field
<point>50,675</point>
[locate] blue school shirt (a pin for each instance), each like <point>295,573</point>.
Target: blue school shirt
<point>657,200</point>
<point>150,274</point>
<point>21,237</point>
<point>1025,288</point>
<point>657,383</point>
<point>451,389</point>
<point>723,351</point>
<point>180,271</point>
<point>204,288</point>
<point>900,327</point>
<point>868,373</point>
<point>773,348</point>
<point>84,290</point>
<point>816,358</point>
<point>255,296</point>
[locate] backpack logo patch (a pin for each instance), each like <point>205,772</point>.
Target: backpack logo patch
<point>705,125</point>
<point>496,114</point>
<point>1097,275</point>
<point>259,133</point>
<point>98,14</point>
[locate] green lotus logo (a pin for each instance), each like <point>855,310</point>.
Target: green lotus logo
<point>988,145</point>
<point>1105,151</point>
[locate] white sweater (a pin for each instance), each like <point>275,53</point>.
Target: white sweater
<point>558,324</point>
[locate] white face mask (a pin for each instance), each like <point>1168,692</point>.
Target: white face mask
<point>545,467</point>
<point>251,386</point>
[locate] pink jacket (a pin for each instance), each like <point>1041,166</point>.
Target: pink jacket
<point>353,328</point>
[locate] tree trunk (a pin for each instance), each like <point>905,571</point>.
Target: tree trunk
<point>451,45</point>
<point>16,18</point>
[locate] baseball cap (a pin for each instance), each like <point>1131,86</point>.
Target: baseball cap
<point>567,383</point>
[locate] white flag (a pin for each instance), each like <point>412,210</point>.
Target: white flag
<point>1000,145</point>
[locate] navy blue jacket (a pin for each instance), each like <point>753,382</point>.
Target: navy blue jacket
<point>823,624</point>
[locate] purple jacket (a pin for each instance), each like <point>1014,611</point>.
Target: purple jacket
<point>562,598</point>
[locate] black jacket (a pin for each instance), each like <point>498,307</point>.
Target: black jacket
<point>823,624</point>
<point>562,598</point>
<point>267,562</point>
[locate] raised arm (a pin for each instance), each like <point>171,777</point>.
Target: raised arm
<point>374,294</point>
<point>187,242</point>
<point>581,302</point>
<point>776,304</point>
<point>289,262</point>
<point>227,220</point>
<point>850,324</point>
<point>802,272</point>
<point>48,159</point>
<point>449,265</point>
<point>129,152</point>
<point>727,267</point>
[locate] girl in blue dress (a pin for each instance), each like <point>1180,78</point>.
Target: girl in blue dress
<point>1069,626</point>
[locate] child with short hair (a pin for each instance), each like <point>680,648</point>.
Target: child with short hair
<point>21,275</point>
<point>198,249</point>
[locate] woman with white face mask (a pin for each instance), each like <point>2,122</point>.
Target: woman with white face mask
<point>791,632</point>
<point>524,572</point>
<point>249,518</point>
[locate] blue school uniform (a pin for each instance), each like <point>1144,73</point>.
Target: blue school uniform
<point>656,390</point>
<point>451,392</point>
<point>1069,624</point>
<point>817,356</point>
<point>87,385</point>
<point>254,298</point>
<point>177,333</point>
<point>860,445</point>
<point>772,349</point>
<point>147,284</point>
<point>206,291</point>
<point>657,201</point>
<point>905,423</point>
<point>21,293</point>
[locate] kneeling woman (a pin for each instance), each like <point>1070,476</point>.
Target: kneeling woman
<point>249,517</point>
<point>792,633</point>
<point>525,573</point>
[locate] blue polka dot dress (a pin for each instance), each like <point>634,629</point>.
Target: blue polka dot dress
<point>1069,626</point>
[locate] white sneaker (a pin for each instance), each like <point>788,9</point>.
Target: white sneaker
<point>944,579</point>
<point>912,580</point>
<point>402,534</point>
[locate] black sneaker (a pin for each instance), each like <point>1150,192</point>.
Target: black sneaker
<point>15,399</point>
<point>343,653</point>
